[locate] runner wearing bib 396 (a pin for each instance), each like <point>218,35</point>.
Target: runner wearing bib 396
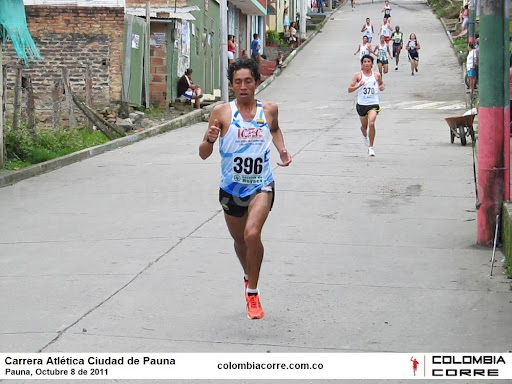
<point>368,84</point>
<point>246,128</point>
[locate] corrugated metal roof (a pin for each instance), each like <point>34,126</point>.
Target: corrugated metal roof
<point>181,13</point>
<point>81,3</point>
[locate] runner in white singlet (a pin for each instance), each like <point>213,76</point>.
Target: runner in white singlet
<point>364,48</point>
<point>368,30</point>
<point>368,84</point>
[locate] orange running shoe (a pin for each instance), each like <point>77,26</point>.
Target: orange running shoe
<point>254,309</point>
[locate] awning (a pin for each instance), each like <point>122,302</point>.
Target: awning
<point>165,12</point>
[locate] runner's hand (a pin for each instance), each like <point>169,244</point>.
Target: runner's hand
<point>286,158</point>
<point>214,131</point>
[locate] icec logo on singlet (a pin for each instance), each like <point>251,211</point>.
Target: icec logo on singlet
<point>250,133</point>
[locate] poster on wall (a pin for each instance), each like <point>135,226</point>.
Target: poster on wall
<point>185,38</point>
<point>160,38</point>
<point>135,41</point>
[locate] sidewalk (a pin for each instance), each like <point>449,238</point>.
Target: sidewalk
<point>128,251</point>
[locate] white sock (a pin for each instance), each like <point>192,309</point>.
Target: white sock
<point>253,291</point>
<point>246,277</point>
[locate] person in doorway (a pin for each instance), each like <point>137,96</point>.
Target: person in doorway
<point>398,39</point>
<point>368,84</point>
<point>231,49</point>
<point>293,35</point>
<point>382,52</point>
<point>189,91</point>
<point>245,129</point>
<point>286,21</point>
<point>471,63</point>
<point>320,6</point>
<point>368,30</point>
<point>412,52</point>
<point>255,45</point>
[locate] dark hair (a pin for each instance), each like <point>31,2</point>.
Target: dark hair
<point>471,45</point>
<point>244,63</point>
<point>366,57</point>
<point>255,36</point>
<point>188,71</point>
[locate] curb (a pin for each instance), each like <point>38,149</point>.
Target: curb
<point>11,177</point>
<point>51,165</point>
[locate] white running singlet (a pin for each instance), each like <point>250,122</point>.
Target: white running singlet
<point>368,94</point>
<point>383,52</point>
<point>368,31</point>
<point>245,152</point>
<point>363,50</point>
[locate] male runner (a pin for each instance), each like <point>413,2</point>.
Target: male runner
<point>398,40</point>
<point>368,30</point>
<point>382,52</point>
<point>246,127</point>
<point>367,84</point>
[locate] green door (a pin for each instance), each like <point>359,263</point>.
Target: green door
<point>134,77</point>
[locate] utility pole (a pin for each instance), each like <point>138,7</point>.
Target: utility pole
<point>303,17</point>
<point>493,131</point>
<point>147,56</point>
<point>2,142</point>
<point>472,21</point>
<point>224,94</point>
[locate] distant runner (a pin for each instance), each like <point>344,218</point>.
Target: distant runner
<point>412,48</point>
<point>382,52</point>
<point>398,39</point>
<point>364,48</point>
<point>368,30</point>
<point>368,84</point>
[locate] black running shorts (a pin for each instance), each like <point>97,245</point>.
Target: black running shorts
<point>237,206</point>
<point>362,110</point>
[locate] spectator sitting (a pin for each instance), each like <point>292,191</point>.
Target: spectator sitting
<point>279,60</point>
<point>189,91</point>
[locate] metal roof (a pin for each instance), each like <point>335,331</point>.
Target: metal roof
<point>181,13</point>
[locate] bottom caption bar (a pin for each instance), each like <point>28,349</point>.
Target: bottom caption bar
<point>82,366</point>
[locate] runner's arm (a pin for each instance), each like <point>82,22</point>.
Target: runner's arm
<point>211,134</point>
<point>277,135</point>
<point>355,83</point>
<point>379,80</point>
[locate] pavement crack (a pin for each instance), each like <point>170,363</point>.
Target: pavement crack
<point>148,266</point>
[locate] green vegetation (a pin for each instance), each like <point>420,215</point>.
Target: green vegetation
<point>276,38</point>
<point>24,150</point>
<point>446,8</point>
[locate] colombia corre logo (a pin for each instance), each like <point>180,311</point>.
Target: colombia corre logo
<point>414,365</point>
<point>466,365</point>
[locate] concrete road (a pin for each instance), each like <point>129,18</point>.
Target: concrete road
<point>128,251</point>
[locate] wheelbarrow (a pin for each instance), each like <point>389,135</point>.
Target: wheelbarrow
<point>461,127</point>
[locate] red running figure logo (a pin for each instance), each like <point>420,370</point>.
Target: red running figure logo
<point>414,365</point>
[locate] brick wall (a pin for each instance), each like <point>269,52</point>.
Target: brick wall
<point>158,67</point>
<point>73,37</point>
